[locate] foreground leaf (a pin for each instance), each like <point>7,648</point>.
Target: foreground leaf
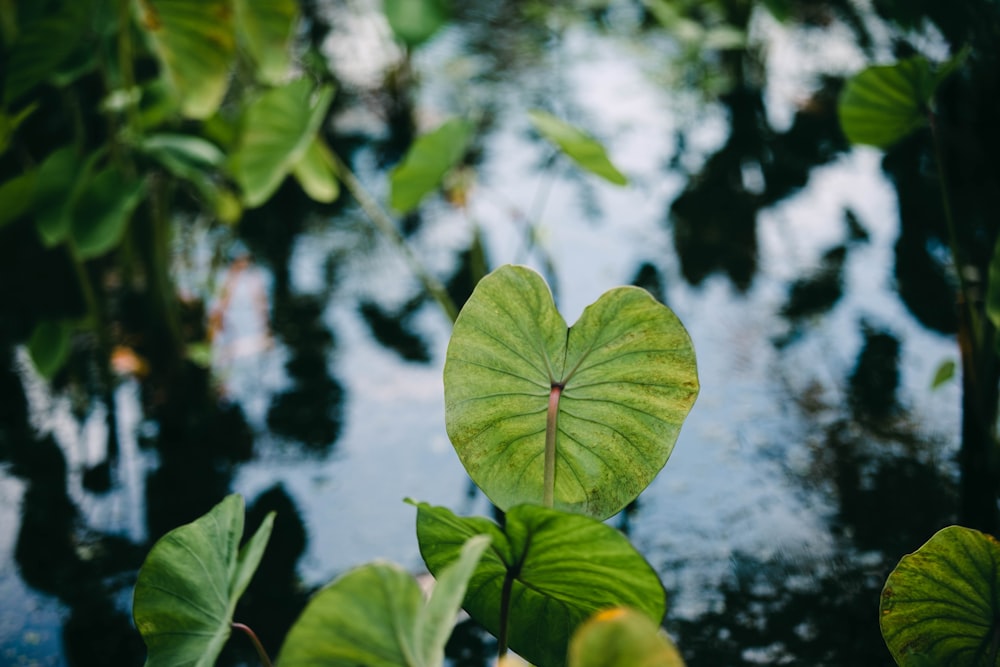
<point>375,616</point>
<point>190,583</point>
<point>316,172</point>
<point>622,638</point>
<point>583,149</point>
<point>427,162</point>
<point>554,582</point>
<point>619,384</point>
<point>266,28</point>
<point>195,42</point>
<point>939,605</point>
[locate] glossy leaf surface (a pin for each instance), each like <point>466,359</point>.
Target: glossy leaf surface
<point>939,605</point>
<point>415,21</point>
<point>277,131</point>
<point>563,568</point>
<point>627,375</point>
<point>103,210</point>
<point>583,149</point>
<point>266,28</point>
<point>427,162</point>
<point>190,583</point>
<point>622,638</point>
<point>375,615</point>
<point>49,346</point>
<point>195,42</point>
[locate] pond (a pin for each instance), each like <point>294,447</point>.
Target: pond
<point>817,452</point>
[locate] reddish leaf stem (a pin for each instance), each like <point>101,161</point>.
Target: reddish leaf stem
<point>256,642</point>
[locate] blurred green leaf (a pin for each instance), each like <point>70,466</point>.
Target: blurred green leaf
<point>316,172</point>
<point>558,569</point>
<point>583,149</point>
<point>415,21</point>
<point>16,196</point>
<point>622,637</point>
<point>993,288</point>
<point>185,148</point>
<point>939,605</point>
<point>427,162</point>
<point>42,46</point>
<point>61,178</point>
<point>944,372</point>
<point>266,28</point>
<point>375,615</point>
<point>9,124</point>
<point>195,43</point>
<point>49,346</point>
<point>189,585</point>
<point>277,130</point>
<point>103,210</point>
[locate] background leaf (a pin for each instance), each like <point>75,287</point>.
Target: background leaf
<point>61,177</point>
<point>102,212</point>
<point>583,149</point>
<point>557,582</point>
<point>426,162</point>
<point>49,346</point>
<point>196,44</point>
<point>316,172</point>
<point>43,45</point>
<point>277,131</point>
<point>939,605</point>
<point>375,616</point>
<point>17,195</point>
<point>266,28</point>
<point>189,585</point>
<point>415,21</point>
<point>622,638</point>
<point>629,376</point>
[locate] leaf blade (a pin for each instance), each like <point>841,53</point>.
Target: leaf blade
<point>583,149</point>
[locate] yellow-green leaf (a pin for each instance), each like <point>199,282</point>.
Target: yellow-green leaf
<point>265,28</point>
<point>582,148</point>
<point>316,172</point>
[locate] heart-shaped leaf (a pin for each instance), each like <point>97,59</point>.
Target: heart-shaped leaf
<point>375,615</point>
<point>554,570</point>
<point>103,210</point>
<point>277,131</point>
<point>415,21</point>
<point>189,585</point>
<point>196,43</point>
<point>939,605</point>
<point>582,148</point>
<point>591,412</point>
<point>427,162</point>
<point>266,28</point>
<point>622,638</point>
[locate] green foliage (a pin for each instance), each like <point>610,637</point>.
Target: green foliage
<point>548,567</point>
<point>944,373</point>
<point>49,346</point>
<point>993,287</point>
<point>189,585</point>
<point>375,615</point>
<point>939,605</point>
<point>427,162</point>
<point>103,211</point>
<point>16,196</point>
<point>316,172</point>
<point>415,21</point>
<point>265,29</point>
<point>622,638</point>
<point>583,149</point>
<point>615,388</point>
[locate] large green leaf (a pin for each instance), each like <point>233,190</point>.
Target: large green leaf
<point>190,583</point>
<point>939,605</point>
<point>427,162</point>
<point>622,638</point>
<point>195,42</point>
<point>375,616</point>
<point>616,387</point>
<point>277,130</point>
<point>266,28</point>
<point>558,570</point>
<point>103,210</point>
<point>583,149</point>
<point>42,46</point>
<point>415,21</point>
<point>49,346</point>
<point>316,172</point>
<point>882,104</point>
<point>61,177</point>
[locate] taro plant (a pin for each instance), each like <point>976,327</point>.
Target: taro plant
<point>561,427</point>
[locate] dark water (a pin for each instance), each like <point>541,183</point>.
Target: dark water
<point>816,455</point>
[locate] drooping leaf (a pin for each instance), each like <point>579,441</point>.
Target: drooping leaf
<point>944,372</point>
<point>555,582</point>
<point>16,196</point>
<point>939,605</point>
<point>415,21</point>
<point>266,28</point>
<point>583,149</point>
<point>316,172</point>
<point>882,104</point>
<point>375,615</point>
<point>277,131</point>
<point>620,382</point>
<point>103,210</point>
<point>195,43</point>
<point>427,162</point>
<point>621,637</point>
<point>49,346</point>
<point>42,46</point>
<point>189,585</point>
<point>60,176</point>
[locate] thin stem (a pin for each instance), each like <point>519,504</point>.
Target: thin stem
<point>256,642</point>
<point>502,636</point>
<point>551,427</point>
<point>384,223</point>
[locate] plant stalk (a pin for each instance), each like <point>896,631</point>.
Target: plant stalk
<point>265,660</point>
<point>551,429</point>
<point>502,636</point>
<point>384,224</point>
